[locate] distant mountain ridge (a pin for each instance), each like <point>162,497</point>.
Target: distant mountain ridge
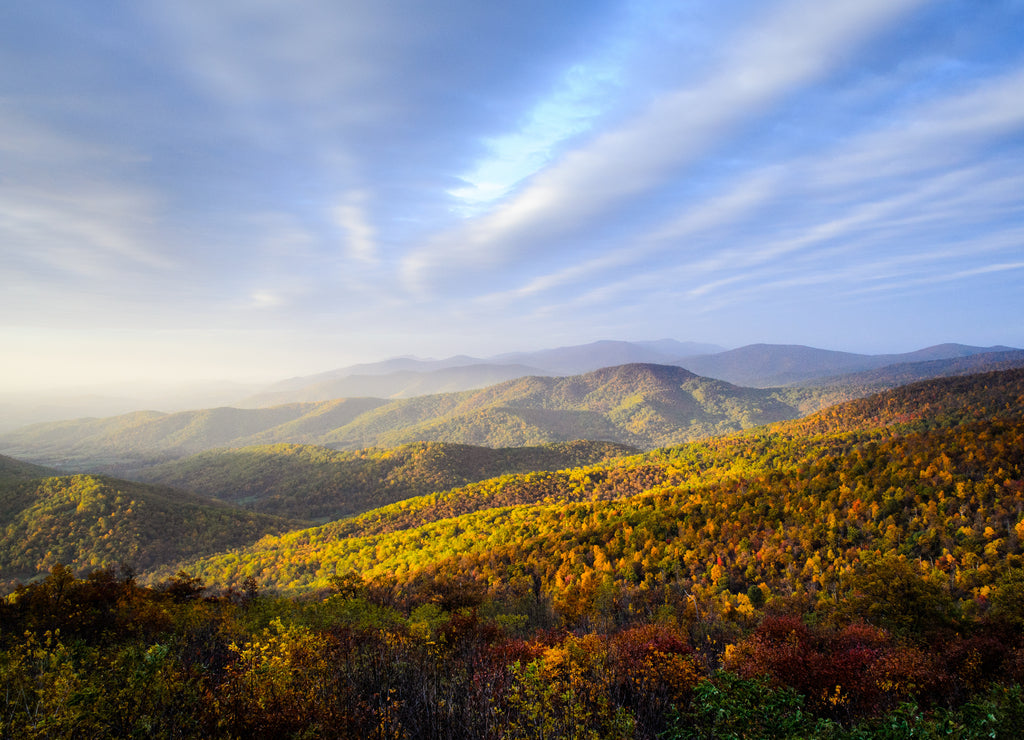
<point>768,365</point>
<point>759,365</point>
<point>909,372</point>
<point>587,357</point>
<point>383,367</point>
<point>397,384</point>
<point>755,365</point>
<point>641,405</point>
<point>638,405</point>
<point>405,377</point>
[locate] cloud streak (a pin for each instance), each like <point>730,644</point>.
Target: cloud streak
<point>768,62</point>
<point>59,218</point>
<point>863,205</point>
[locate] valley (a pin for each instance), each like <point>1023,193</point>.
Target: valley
<point>712,545</point>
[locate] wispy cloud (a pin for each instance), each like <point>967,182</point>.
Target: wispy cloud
<point>792,46</point>
<point>568,112</point>
<point>843,211</point>
<point>350,215</point>
<point>65,211</point>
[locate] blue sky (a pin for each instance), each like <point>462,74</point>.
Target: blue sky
<point>254,189</point>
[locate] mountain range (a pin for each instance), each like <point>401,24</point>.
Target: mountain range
<point>756,365</point>
<point>882,462</point>
<point>847,566</point>
<point>765,365</point>
<point>200,505</point>
<point>405,377</point>
<point>637,405</point>
<point>640,405</point>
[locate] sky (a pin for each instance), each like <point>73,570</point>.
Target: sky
<point>255,189</point>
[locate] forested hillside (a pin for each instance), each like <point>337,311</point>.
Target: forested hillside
<point>641,405</point>
<point>933,471</point>
<point>307,482</point>
<point>147,437</point>
<point>856,574</point>
<point>87,522</point>
<point>14,470</point>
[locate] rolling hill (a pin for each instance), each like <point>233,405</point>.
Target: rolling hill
<point>757,365</point>
<point>15,470</point>
<point>857,573</point>
<point>798,502</point>
<point>638,405</point>
<point>316,483</point>
<point>87,522</point>
<point>760,365</point>
<point>93,521</point>
<point>149,437</point>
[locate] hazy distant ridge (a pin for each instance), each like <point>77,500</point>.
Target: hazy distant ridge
<point>909,372</point>
<point>755,365</point>
<point>643,405</point>
<point>759,365</point>
<point>766,365</point>
<point>405,377</point>
<point>398,384</point>
<point>639,405</point>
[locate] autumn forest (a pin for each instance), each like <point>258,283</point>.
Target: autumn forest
<point>853,573</point>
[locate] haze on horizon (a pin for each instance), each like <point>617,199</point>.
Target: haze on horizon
<point>251,191</point>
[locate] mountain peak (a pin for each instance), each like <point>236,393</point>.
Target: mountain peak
<point>636,370</point>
